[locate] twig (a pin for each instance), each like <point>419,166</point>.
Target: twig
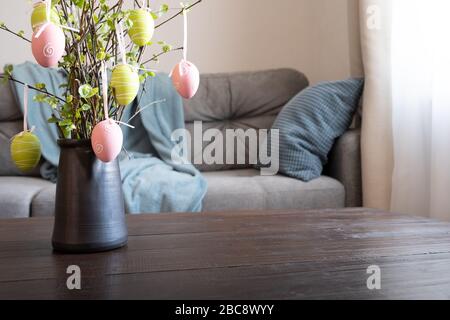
<point>142,109</point>
<point>61,133</point>
<point>177,14</point>
<point>3,27</point>
<point>155,57</point>
<point>34,88</point>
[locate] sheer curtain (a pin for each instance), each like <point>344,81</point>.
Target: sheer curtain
<point>418,74</point>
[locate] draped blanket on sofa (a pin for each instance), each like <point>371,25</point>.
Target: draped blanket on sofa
<point>151,181</point>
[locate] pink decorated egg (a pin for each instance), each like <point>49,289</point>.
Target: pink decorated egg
<point>186,79</point>
<point>107,140</point>
<point>48,45</point>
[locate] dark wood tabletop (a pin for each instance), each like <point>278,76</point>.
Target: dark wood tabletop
<point>242,255</point>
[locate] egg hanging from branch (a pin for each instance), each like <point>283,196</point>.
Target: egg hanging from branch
<point>26,151</point>
<point>143,27</point>
<point>186,79</point>
<point>39,16</point>
<point>48,45</point>
<point>125,84</point>
<point>185,75</point>
<point>107,140</point>
<point>107,136</point>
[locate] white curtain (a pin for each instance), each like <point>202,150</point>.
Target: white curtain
<point>415,103</point>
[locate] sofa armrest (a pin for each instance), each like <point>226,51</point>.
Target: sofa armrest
<point>345,165</point>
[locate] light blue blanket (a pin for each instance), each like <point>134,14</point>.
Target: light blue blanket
<point>152,182</point>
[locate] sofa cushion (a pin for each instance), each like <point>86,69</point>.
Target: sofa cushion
<point>43,204</point>
<point>17,194</point>
<point>240,100</point>
<point>227,190</point>
<point>248,190</point>
<point>7,167</point>
<point>311,122</point>
<point>8,108</point>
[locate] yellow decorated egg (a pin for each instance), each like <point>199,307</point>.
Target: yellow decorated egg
<point>143,27</point>
<point>26,151</point>
<point>125,84</point>
<point>39,16</point>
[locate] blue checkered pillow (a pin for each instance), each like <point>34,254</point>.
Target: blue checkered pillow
<point>310,123</point>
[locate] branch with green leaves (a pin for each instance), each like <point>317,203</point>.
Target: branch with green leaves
<point>186,7</point>
<point>43,96</point>
<point>80,107</point>
<point>20,34</point>
<point>39,87</point>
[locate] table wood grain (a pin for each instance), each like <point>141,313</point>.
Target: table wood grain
<point>241,255</point>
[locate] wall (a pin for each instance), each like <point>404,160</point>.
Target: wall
<point>318,37</point>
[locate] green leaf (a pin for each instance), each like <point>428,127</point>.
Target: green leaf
<point>53,119</point>
<point>79,3</point>
<point>166,48</point>
<point>86,91</point>
<point>164,8</point>
<point>40,98</point>
<point>85,107</point>
<point>40,86</point>
<point>65,122</point>
<point>128,23</point>
<point>101,55</point>
<point>8,69</point>
<point>94,92</point>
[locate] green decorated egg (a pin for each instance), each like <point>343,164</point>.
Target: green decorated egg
<point>39,16</point>
<point>143,27</point>
<point>26,151</point>
<point>125,84</point>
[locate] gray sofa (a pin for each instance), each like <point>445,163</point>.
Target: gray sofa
<point>224,101</point>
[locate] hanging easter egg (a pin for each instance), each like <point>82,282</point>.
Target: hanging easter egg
<point>143,27</point>
<point>125,82</point>
<point>39,15</point>
<point>26,151</point>
<point>107,140</point>
<point>48,45</point>
<point>186,79</point>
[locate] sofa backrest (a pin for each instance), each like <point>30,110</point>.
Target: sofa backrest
<point>224,101</point>
<point>240,100</point>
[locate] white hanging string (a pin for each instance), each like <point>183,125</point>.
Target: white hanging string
<point>25,113</point>
<point>145,107</point>
<point>70,28</point>
<point>125,124</point>
<point>185,41</point>
<point>48,10</point>
<point>145,69</point>
<point>144,5</point>
<point>105,90</point>
<point>25,107</point>
<point>121,43</point>
<point>38,34</point>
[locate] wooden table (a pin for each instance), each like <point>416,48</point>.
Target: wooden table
<point>243,255</point>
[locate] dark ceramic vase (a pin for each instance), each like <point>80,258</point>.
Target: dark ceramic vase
<point>89,209</point>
